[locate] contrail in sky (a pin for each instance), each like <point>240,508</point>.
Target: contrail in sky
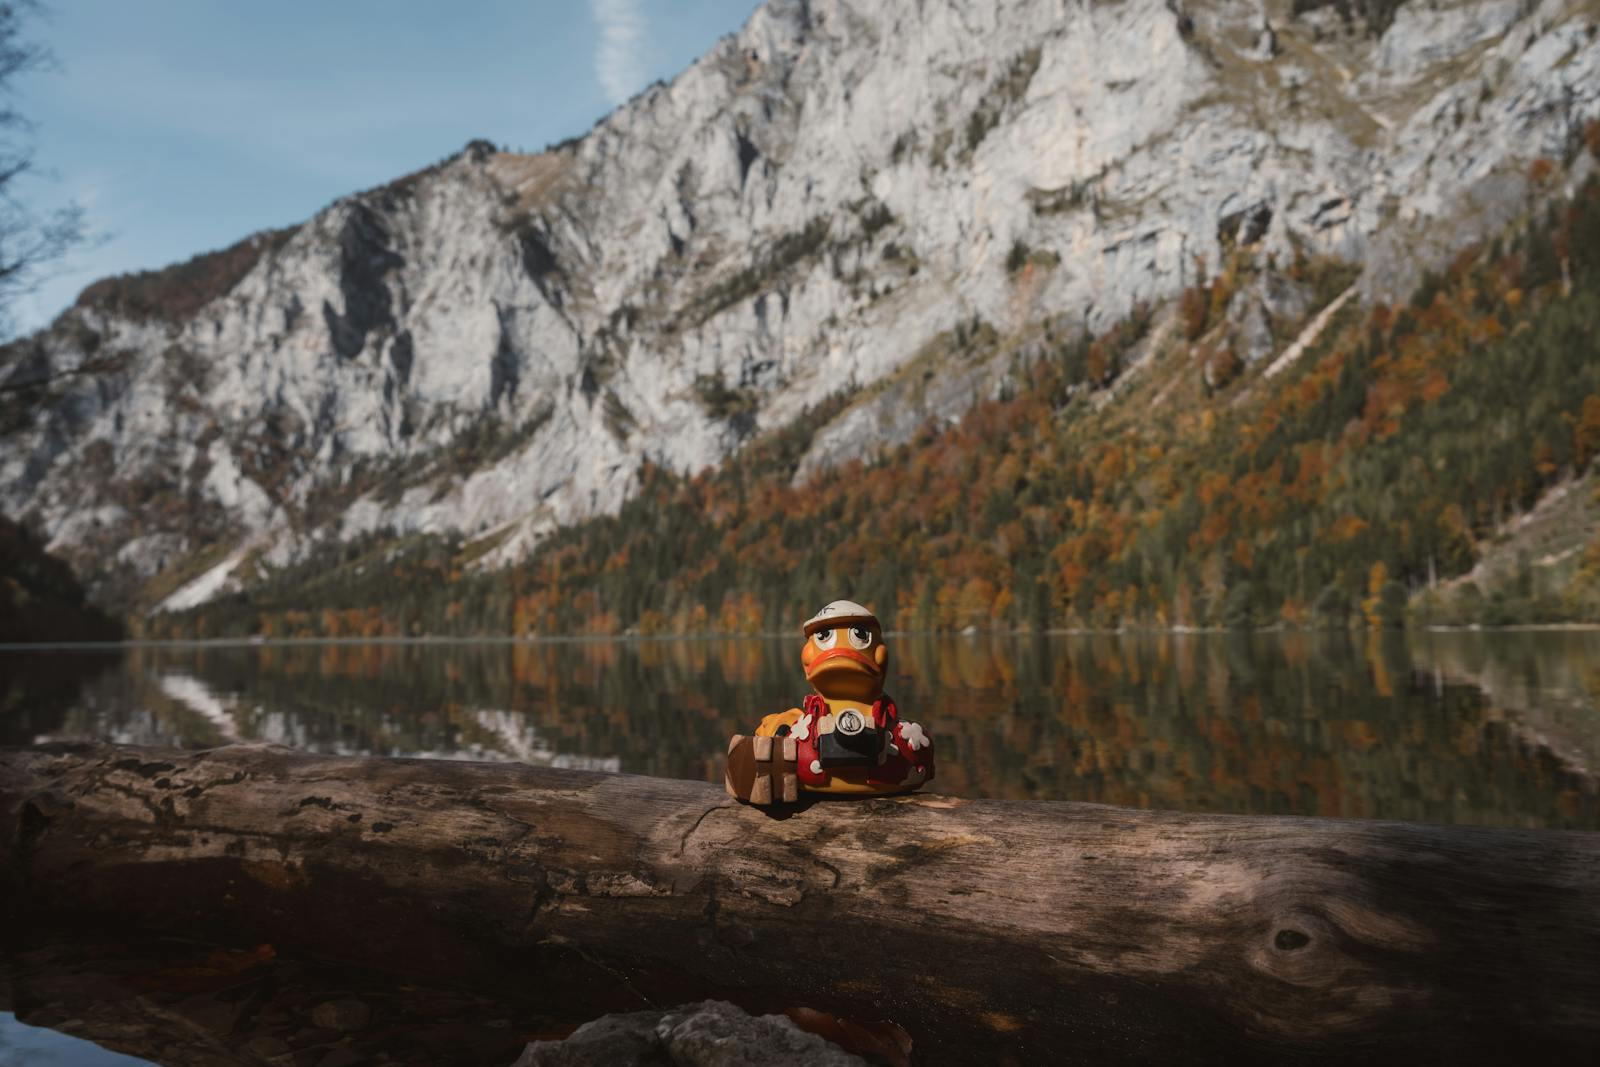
<point>619,60</point>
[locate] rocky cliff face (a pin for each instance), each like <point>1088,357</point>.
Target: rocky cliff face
<point>819,204</point>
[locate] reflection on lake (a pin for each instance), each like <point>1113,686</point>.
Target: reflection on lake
<point>1496,728</point>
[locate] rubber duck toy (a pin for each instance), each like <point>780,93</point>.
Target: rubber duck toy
<point>847,736</point>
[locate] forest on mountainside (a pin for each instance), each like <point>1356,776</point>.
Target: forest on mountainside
<point>40,598</point>
<point>1355,489</point>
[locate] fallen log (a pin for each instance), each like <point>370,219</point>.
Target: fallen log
<point>991,931</point>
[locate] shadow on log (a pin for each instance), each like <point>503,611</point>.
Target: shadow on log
<point>992,931</point>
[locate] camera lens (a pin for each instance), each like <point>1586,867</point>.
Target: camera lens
<point>849,723</point>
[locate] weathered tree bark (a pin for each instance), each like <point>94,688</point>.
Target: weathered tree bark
<point>991,931</point>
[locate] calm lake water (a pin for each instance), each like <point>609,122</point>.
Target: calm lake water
<point>1487,728</point>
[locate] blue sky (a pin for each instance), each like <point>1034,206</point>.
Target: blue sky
<point>183,125</point>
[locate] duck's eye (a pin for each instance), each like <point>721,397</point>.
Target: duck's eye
<point>860,637</point>
<point>824,638</point>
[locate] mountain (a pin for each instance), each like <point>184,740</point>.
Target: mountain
<point>845,224</point>
<point>1429,462</point>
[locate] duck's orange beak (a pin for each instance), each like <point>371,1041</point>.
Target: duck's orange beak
<point>841,659</point>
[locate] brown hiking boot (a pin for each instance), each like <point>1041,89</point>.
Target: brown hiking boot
<point>762,770</point>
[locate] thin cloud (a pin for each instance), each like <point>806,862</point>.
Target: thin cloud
<point>619,58</point>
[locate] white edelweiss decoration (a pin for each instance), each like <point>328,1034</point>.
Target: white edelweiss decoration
<point>802,729</point>
<point>913,734</point>
<point>816,766</point>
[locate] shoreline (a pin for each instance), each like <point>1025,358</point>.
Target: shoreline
<point>972,634</point>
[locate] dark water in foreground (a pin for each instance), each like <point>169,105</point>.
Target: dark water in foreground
<point>1486,728</point>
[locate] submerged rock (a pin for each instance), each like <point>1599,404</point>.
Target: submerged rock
<point>346,1014</point>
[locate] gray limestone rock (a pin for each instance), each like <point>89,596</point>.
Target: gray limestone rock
<point>1262,310</point>
<point>712,1033</point>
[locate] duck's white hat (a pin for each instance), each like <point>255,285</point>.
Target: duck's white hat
<point>836,614</point>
